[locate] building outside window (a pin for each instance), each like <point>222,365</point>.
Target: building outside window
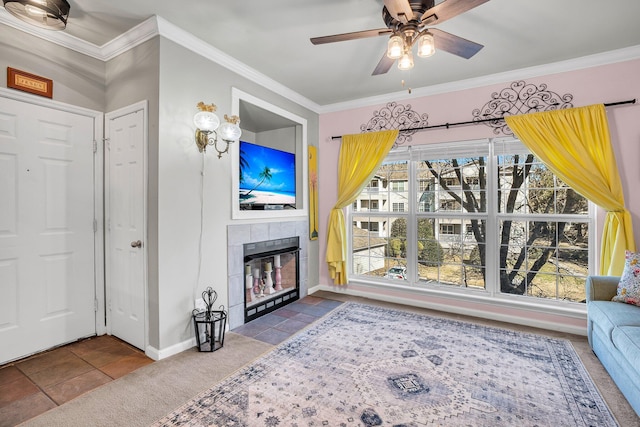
<point>482,216</point>
<point>450,205</point>
<point>425,184</point>
<point>373,184</point>
<point>449,228</point>
<point>398,185</point>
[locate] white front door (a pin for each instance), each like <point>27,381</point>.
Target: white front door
<point>126,225</point>
<point>47,265</point>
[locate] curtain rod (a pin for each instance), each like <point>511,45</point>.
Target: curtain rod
<point>472,122</point>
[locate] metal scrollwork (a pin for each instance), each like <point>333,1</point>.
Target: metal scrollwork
<point>209,296</point>
<point>396,116</point>
<point>519,98</point>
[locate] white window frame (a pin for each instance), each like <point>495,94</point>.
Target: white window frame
<point>492,286</point>
<point>398,186</point>
<point>398,207</point>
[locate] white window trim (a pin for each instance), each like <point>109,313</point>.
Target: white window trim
<point>491,295</point>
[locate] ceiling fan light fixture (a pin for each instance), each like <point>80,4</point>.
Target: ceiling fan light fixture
<point>49,14</point>
<point>426,45</point>
<point>395,47</point>
<point>406,61</point>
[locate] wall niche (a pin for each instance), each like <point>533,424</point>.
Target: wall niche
<point>269,164</point>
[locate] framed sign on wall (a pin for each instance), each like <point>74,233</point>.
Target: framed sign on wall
<point>27,82</point>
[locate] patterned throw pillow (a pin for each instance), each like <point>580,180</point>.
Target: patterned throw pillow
<point>629,286</point>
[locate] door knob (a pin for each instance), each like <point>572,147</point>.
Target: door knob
<point>136,244</point>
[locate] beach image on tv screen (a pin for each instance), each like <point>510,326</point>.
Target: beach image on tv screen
<point>267,178</point>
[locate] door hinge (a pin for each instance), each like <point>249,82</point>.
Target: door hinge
<point>95,146</point>
<point>95,225</point>
<point>95,305</point>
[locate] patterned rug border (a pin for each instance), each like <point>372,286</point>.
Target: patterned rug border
<point>307,334</point>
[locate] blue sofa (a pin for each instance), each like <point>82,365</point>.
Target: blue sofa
<point>613,329</point>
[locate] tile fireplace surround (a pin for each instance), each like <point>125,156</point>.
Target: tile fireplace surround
<point>238,235</point>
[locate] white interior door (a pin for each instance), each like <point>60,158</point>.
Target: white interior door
<point>47,265</point>
<point>126,224</point>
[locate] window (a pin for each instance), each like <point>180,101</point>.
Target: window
<point>450,205</point>
<point>379,237</point>
<point>484,216</point>
<point>371,226</point>
<point>398,185</point>
<point>368,205</point>
<point>425,184</point>
<point>540,253</point>
<point>398,207</point>
<point>449,228</point>
<point>473,181</point>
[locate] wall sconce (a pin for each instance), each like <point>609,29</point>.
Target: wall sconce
<point>207,124</point>
<point>49,14</point>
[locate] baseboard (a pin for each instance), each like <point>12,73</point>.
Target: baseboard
<point>156,354</point>
<point>483,314</point>
<point>316,288</point>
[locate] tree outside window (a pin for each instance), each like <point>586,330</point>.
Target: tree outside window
<point>541,242</point>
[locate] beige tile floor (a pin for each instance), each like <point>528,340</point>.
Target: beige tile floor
<point>34,385</point>
<point>41,382</point>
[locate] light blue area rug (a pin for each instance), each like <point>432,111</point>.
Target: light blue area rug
<point>369,366</point>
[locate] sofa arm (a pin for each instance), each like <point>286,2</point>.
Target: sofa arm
<point>601,288</point>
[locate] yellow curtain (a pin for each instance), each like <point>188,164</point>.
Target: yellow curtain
<point>360,158</point>
<point>575,145</point>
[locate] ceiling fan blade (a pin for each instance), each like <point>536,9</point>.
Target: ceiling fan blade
<point>400,10</point>
<point>384,65</point>
<point>350,36</point>
<point>454,44</point>
<point>447,10</point>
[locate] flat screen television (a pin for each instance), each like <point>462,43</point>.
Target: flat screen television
<point>267,178</point>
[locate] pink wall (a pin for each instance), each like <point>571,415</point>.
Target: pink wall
<point>602,84</point>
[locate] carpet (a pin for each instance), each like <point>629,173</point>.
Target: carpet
<point>370,366</point>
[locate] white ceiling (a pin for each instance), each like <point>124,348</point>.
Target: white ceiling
<point>272,37</point>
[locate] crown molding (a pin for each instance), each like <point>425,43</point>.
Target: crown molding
<point>157,25</point>
<point>58,37</point>
<point>137,35</point>
<point>148,29</point>
<point>606,58</point>
<point>199,46</point>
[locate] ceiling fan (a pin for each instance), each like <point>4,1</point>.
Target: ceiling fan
<point>407,22</point>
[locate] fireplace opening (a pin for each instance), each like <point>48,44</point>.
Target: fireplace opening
<point>272,275</point>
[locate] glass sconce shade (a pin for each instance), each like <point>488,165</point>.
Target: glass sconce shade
<point>395,47</point>
<point>206,121</point>
<point>49,14</point>
<point>229,132</point>
<point>426,45</point>
<point>406,61</point>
